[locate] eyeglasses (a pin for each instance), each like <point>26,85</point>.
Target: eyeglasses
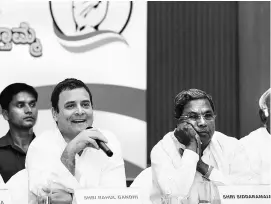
<point>196,117</point>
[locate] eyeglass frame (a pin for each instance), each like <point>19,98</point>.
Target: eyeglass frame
<point>199,116</point>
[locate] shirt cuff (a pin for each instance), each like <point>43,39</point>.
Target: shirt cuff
<point>189,158</point>
<point>217,176</point>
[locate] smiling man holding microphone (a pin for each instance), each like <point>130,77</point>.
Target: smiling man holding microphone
<point>194,152</point>
<point>70,157</point>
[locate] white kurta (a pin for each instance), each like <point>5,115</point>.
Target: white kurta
<point>258,148</point>
<point>175,173</point>
<point>93,167</point>
<point>1,180</point>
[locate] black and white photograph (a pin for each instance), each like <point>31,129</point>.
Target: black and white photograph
<point>135,102</point>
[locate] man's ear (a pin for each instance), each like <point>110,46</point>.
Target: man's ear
<point>262,116</point>
<point>266,112</point>
<point>54,114</point>
<point>5,114</point>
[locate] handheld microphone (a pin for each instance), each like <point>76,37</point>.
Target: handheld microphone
<point>103,146</point>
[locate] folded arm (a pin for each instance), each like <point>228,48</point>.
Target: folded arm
<point>174,175</point>
<point>44,167</point>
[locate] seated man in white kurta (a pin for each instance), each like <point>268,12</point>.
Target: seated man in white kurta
<point>194,151</point>
<point>68,157</point>
<point>258,144</point>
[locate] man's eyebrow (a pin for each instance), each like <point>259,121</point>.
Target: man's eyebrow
<point>34,100</point>
<point>86,101</point>
<point>25,101</point>
<point>207,111</point>
<point>69,102</point>
<point>17,102</point>
<point>192,112</point>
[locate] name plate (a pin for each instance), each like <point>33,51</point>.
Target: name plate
<point>107,195</point>
<point>260,194</point>
<point>4,195</point>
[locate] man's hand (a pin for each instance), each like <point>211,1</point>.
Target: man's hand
<point>202,167</point>
<point>84,139</point>
<point>59,196</point>
<point>186,135</point>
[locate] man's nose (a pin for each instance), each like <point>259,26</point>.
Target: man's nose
<point>27,109</point>
<point>79,110</point>
<point>202,122</point>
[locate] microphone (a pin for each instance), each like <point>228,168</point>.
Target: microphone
<point>103,146</point>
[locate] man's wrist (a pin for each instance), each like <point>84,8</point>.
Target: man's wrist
<point>208,173</point>
<point>68,159</point>
<point>192,146</point>
<point>202,167</point>
<point>70,151</point>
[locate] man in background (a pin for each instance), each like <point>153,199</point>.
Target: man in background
<point>258,144</point>
<point>18,102</point>
<point>195,153</point>
<point>68,157</point>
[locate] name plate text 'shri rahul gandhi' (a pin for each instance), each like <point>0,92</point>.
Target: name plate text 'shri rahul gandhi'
<point>107,195</point>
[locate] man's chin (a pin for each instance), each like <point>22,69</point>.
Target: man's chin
<point>80,127</point>
<point>204,137</point>
<point>27,126</point>
<point>205,142</point>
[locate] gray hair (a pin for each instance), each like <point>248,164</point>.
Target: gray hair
<point>264,100</point>
<point>188,95</point>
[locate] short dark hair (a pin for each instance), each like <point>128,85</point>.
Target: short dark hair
<point>185,96</point>
<point>13,89</point>
<point>67,84</point>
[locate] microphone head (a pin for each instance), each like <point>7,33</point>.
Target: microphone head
<point>109,153</point>
<point>103,146</point>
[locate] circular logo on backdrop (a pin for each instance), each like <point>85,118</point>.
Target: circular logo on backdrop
<point>86,25</point>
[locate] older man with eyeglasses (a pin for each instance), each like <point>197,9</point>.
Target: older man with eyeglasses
<point>258,142</point>
<point>194,152</point>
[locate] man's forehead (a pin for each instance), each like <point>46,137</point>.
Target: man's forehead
<point>198,105</point>
<point>23,96</point>
<point>77,94</point>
